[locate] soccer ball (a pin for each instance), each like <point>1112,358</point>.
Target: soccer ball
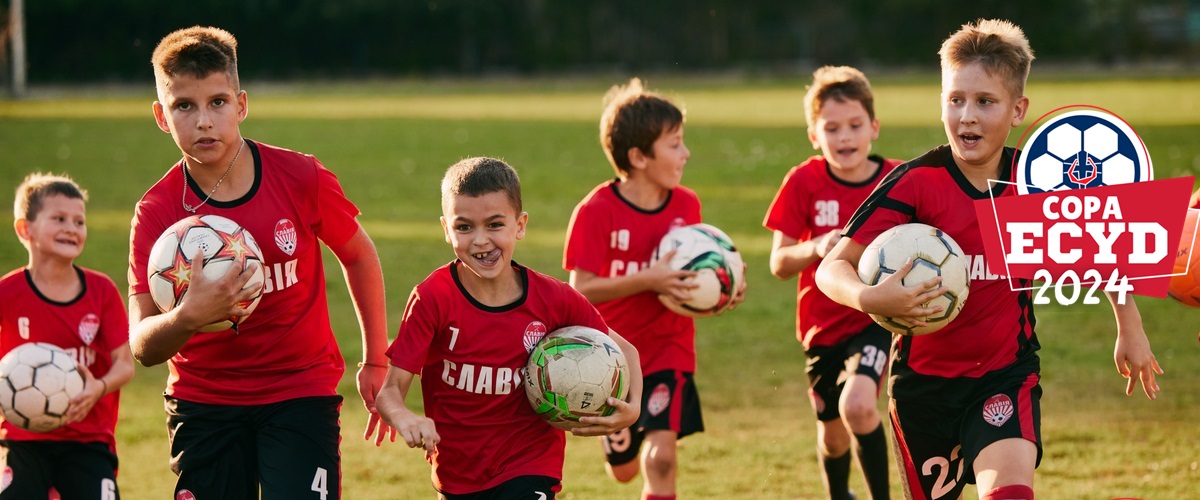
<point>571,373</point>
<point>223,242</point>
<point>1185,286</point>
<point>37,382</point>
<point>711,253</point>
<point>934,254</point>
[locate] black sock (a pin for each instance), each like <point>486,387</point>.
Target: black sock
<point>837,475</point>
<point>872,457</point>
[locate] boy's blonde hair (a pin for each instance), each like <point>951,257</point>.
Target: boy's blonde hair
<point>197,52</point>
<point>840,83</point>
<point>479,176</point>
<point>36,187</point>
<point>634,118</point>
<point>998,45</point>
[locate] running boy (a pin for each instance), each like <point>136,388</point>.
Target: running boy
<point>611,237</point>
<point>258,406</point>
<point>468,330</point>
<point>847,352</point>
<point>965,400</point>
<point>52,300</point>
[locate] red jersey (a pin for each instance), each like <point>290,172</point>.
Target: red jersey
<point>811,202</point>
<point>286,348</point>
<point>994,330</point>
<point>89,327</point>
<point>471,358</point>
<point>610,237</point>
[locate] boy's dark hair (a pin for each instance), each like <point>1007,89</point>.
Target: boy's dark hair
<point>197,52</point>
<point>840,83</point>
<point>634,118</point>
<point>479,176</point>
<point>998,45</point>
<point>36,187</point>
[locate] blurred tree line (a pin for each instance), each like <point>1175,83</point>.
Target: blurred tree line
<point>111,41</point>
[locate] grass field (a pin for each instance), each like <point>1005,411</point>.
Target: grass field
<point>390,143</point>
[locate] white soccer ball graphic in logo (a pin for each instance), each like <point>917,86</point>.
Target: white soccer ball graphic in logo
<point>1082,149</point>
<point>934,254</point>
<point>37,382</point>
<point>223,242</point>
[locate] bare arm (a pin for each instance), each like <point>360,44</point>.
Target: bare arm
<point>154,337</point>
<point>119,374</point>
<point>838,278</point>
<point>417,431</point>
<point>1133,356</point>
<point>658,278</point>
<point>790,256</point>
<point>364,279</point>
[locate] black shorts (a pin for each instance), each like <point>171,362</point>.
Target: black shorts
<point>290,448</point>
<point>520,487</point>
<point>77,470</point>
<point>669,402</point>
<point>936,445</point>
<point>829,367</point>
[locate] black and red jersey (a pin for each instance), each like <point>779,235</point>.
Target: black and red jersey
<point>995,329</point>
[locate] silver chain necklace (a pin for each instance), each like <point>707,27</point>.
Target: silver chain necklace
<point>183,167</point>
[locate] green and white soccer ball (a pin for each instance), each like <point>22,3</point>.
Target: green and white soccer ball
<point>572,372</point>
<point>712,255</point>
<point>934,254</point>
<point>37,382</point>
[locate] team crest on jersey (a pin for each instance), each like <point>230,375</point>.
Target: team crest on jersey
<point>89,326</point>
<point>184,495</point>
<point>818,403</point>
<point>285,236</point>
<point>997,410</point>
<point>678,222</point>
<point>659,399</point>
<point>533,334</point>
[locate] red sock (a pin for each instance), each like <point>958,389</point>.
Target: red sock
<point>658,497</point>
<point>1010,492</point>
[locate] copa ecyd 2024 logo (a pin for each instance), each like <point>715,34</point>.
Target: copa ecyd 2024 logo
<point>1089,216</point>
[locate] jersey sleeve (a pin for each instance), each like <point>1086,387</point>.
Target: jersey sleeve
<point>144,230</point>
<point>586,234</point>
<point>417,330</point>
<point>892,203</point>
<point>789,211</point>
<point>580,311</point>
<point>336,214</point>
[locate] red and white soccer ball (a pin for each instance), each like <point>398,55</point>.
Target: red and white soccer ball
<point>712,255</point>
<point>37,382</point>
<point>224,243</point>
<point>934,254</point>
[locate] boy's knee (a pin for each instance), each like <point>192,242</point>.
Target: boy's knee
<point>858,414</point>
<point>660,462</point>
<point>623,473</point>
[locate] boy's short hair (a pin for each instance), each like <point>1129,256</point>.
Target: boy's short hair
<point>198,51</point>
<point>840,83</point>
<point>479,176</point>
<point>36,187</point>
<point>998,45</point>
<point>634,118</point>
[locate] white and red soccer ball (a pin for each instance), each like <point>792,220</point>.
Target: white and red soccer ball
<point>223,242</point>
<point>710,253</point>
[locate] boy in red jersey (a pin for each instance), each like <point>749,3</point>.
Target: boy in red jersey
<point>846,350</point>
<point>257,406</point>
<point>468,330</point>
<point>610,240</point>
<point>965,404</point>
<point>80,310</point>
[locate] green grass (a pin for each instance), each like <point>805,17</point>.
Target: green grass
<point>389,145</point>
